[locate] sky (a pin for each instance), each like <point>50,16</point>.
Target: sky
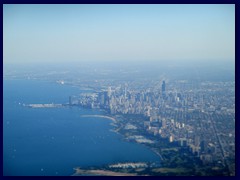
<point>78,33</point>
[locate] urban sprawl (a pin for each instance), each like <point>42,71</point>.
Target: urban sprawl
<point>197,119</point>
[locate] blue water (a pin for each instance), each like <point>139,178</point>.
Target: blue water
<point>52,141</point>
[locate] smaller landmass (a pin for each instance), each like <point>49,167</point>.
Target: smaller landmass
<point>129,169</point>
<point>43,105</point>
<point>99,172</point>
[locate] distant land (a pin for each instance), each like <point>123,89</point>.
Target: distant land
<point>173,117</point>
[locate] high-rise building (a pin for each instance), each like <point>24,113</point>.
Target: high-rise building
<point>197,140</point>
<point>164,123</point>
<point>106,98</point>
<point>163,88</point>
<point>109,93</point>
<point>101,98</point>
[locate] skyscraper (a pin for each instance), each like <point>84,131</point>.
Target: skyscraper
<point>163,88</point>
<point>109,91</point>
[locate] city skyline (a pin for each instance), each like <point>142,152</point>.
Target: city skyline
<point>119,90</point>
<point>79,33</point>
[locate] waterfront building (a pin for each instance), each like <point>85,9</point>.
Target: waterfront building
<point>171,138</point>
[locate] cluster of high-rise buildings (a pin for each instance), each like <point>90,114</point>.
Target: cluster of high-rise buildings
<point>200,117</point>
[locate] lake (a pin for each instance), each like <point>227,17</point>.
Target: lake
<point>52,141</point>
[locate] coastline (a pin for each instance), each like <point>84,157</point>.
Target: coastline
<point>157,153</point>
<point>101,116</point>
<point>100,172</point>
<point>105,172</point>
<point>117,131</point>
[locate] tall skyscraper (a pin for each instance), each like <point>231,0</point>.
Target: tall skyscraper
<point>163,88</point>
<point>109,91</point>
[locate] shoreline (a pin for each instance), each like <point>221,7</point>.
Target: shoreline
<point>157,153</point>
<point>117,131</point>
<point>100,172</point>
<point>101,116</point>
<point>114,119</point>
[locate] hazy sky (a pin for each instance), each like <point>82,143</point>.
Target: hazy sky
<point>56,33</point>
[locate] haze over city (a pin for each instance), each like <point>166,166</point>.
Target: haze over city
<point>75,33</point>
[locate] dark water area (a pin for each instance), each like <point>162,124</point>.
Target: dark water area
<point>52,141</point>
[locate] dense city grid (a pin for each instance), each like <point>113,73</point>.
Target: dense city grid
<point>197,116</point>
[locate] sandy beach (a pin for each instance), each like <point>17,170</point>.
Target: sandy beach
<point>101,116</point>
<point>99,172</point>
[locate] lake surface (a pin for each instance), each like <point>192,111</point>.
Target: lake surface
<point>52,141</point>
